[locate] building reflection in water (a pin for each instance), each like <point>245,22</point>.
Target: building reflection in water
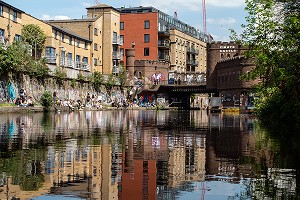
<point>132,154</point>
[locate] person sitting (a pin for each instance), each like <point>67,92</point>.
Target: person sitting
<point>30,102</point>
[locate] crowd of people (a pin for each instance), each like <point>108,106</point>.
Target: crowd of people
<point>23,100</point>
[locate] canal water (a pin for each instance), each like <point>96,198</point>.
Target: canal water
<point>143,154</point>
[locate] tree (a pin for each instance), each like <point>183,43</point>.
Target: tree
<point>122,76</point>
<point>97,80</point>
<point>34,36</point>
<point>272,34</point>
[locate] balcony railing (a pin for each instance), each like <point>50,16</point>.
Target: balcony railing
<point>82,65</point>
<point>116,55</point>
<point>51,59</point>
<point>164,43</point>
<point>117,41</point>
<point>164,57</point>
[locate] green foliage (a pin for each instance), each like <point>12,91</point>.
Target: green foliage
<point>46,100</point>
<point>122,76</point>
<point>272,34</point>
<point>73,83</point>
<point>97,80</point>
<point>33,35</point>
<point>39,69</point>
<point>60,75</point>
<point>80,77</point>
<point>110,82</point>
<point>17,58</point>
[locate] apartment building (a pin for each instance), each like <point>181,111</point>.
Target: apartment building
<point>101,26</point>
<point>10,23</point>
<point>159,36</point>
<point>62,47</point>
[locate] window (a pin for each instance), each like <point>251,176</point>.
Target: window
<point>146,38</point>
<point>121,25</point>
<point>122,52</point>
<point>1,32</point>
<point>1,10</point>
<point>77,43</point>
<point>95,31</point>
<point>17,37</point>
<point>85,45</point>
<point>55,34</point>
<point>95,46</point>
<point>50,55</point>
<point>121,39</point>
<point>70,40</point>
<point>70,56</point>
<point>85,60</point>
<point>2,36</point>
<point>62,37</point>
<point>146,24</point>
<point>146,52</point>
<point>15,16</point>
<point>115,37</point>
<point>95,62</point>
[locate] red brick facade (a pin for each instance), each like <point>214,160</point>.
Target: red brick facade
<point>135,23</point>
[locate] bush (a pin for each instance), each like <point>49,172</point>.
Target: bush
<point>46,100</point>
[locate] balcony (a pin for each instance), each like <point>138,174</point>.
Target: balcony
<point>82,66</point>
<point>68,63</point>
<point>116,55</point>
<point>163,57</point>
<point>164,44</point>
<point>51,59</point>
<point>115,70</point>
<point>118,41</point>
<point>164,33</point>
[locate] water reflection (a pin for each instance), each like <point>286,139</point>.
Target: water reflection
<point>139,154</point>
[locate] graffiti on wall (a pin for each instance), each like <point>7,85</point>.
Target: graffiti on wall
<point>157,77</point>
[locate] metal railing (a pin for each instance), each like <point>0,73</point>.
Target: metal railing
<point>164,57</point>
<point>116,55</point>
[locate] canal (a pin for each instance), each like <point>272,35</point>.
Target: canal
<point>143,154</point>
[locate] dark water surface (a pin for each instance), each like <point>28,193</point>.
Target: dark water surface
<point>135,154</point>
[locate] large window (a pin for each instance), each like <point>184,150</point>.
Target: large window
<point>85,60</point>
<point>146,38</point>
<point>121,25</point>
<point>146,24</point>
<point>95,31</point>
<point>1,36</point>
<point>2,32</point>
<point>50,55</point>
<point>146,51</point>
<point>121,39</point>
<point>95,46</point>
<point>1,10</point>
<point>15,16</point>
<point>115,37</point>
<point>17,37</point>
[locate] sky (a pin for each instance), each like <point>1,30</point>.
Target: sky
<point>221,15</point>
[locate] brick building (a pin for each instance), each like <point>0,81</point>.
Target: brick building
<point>62,47</point>
<point>226,64</point>
<point>158,36</point>
<point>102,27</point>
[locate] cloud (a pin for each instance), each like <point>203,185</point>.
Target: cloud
<point>191,5</point>
<point>227,4</point>
<point>57,17</point>
<point>220,38</point>
<point>86,4</point>
<point>222,21</point>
